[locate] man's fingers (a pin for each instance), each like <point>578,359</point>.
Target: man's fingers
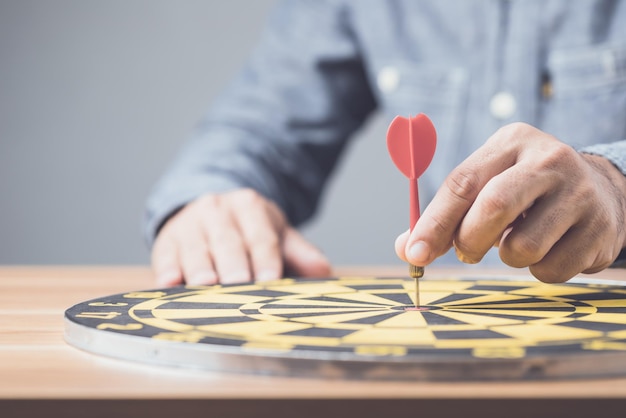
<point>228,249</point>
<point>302,258</point>
<point>261,236</point>
<point>501,202</point>
<point>434,231</point>
<point>568,257</point>
<point>433,234</point>
<point>532,237</point>
<point>400,245</point>
<point>194,257</point>
<point>231,238</point>
<point>165,262</point>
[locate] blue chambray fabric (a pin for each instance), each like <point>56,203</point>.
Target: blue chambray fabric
<point>322,67</point>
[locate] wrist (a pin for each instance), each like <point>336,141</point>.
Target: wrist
<point>616,190</point>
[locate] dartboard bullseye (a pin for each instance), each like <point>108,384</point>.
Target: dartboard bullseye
<point>467,328</point>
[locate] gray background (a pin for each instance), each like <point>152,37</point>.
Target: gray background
<point>96,96</point>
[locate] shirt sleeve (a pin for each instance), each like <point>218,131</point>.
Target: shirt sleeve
<point>281,125</point>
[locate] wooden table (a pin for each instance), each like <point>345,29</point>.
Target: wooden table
<point>41,374</point>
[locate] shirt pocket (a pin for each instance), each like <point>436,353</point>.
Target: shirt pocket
<point>587,102</point>
<point>407,89</point>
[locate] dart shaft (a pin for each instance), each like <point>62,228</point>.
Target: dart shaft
<point>416,272</point>
<point>414,203</point>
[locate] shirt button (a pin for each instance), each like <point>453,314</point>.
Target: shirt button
<point>502,105</point>
<point>388,79</point>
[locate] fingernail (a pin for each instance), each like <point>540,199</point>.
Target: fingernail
<point>463,258</point>
<point>241,276</point>
<point>202,277</point>
<point>313,255</point>
<point>267,275</point>
<point>168,277</point>
<point>419,253</point>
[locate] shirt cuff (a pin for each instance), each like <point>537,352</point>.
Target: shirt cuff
<point>614,152</point>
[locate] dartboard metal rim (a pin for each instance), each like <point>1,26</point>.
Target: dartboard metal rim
<point>343,365</point>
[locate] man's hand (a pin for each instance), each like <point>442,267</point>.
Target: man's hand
<point>546,207</point>
<point>234,237</point>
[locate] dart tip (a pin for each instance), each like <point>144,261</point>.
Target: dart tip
<point>416,272</point>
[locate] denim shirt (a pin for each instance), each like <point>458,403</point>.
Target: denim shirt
<point>322,67</point>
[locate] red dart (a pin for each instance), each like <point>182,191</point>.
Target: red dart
<point>411,143</point>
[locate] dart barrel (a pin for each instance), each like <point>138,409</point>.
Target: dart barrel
<point>416,271</point>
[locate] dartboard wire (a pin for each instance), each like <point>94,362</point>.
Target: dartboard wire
<point>234,357</point>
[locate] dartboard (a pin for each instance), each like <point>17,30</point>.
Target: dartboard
<point>365,327</point>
